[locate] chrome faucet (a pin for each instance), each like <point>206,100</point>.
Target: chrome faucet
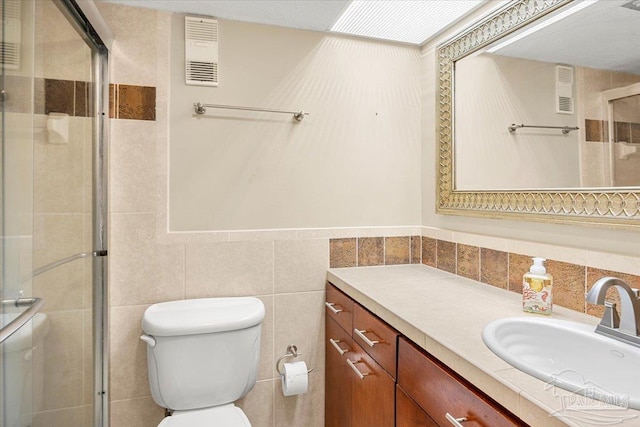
<point>625,327</point>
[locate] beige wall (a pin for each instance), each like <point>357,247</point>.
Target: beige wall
<point>354,161</point>
<point>585,237</point>
<point>284,268</point>
<point>491,93</point>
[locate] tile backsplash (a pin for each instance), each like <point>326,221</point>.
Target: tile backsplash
<point>505,269</point>
<point>370,251</point>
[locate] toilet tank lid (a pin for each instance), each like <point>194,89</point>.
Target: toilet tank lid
<point>202,316</point>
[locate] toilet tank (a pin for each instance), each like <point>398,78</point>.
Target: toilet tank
<point>202,352</point>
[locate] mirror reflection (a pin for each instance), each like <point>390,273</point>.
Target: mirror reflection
<point>573,80</point>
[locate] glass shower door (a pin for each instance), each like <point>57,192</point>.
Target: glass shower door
<point>18,356</point>
<point>624,137</point>
<point>51,368</point>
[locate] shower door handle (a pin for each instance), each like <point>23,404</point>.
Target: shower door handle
<point>34,306</point>
<point>51,266</point>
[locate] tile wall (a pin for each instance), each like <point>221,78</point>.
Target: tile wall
<point>369,251</point>
<point>598,131</point>
<point>499,268</point>
<point>504,269</point>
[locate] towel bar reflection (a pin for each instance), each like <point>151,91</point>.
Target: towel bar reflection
<point>201,108</point>
<point>565,129</point>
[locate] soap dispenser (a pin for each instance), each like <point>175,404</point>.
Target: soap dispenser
<point>537,286</point>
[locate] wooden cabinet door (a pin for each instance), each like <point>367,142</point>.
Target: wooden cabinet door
<point>439,391</point>
<point>338,376</point>
<point>373,392</point>
<point>409,414</point>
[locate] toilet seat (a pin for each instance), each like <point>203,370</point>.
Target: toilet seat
<point>219,416</point>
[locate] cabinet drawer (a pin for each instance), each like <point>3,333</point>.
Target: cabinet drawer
<point>373,392</point>
<point>376,338</point>
<point>338,340</point>
<point>338,376</point>
<point>339,307</point>
<point>409,414</point>
<point>439,391</point>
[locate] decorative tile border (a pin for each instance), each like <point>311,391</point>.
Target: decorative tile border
<point>370,251</point>
<point>505,269</point>
<point>598,131</point>
<point>73,97</point>
<point>61,96</point>
<point>132,102</point>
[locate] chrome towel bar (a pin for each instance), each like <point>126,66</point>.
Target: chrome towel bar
<point>201,108</point>
<point>565,129</point>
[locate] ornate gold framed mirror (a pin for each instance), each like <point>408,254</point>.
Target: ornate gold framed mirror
<point>607,199</point>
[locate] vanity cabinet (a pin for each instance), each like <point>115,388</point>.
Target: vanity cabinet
<point>359,391</point>
<point>409,413</point>
<point>376,377</point>
<point>443,395</point>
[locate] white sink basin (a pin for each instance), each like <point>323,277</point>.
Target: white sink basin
<point>570,356</point>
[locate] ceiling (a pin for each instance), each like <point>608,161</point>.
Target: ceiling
<point>604,35</point>
<point>381,19</point>
<point>317,15</point>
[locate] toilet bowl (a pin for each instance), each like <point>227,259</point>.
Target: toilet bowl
<point>228,415</point>
<point>202,356</point>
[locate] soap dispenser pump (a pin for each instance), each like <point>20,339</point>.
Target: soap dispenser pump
<point>537,287</point>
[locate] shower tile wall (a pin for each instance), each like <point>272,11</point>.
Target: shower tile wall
<point>132,102</point>
<point>590,83</point>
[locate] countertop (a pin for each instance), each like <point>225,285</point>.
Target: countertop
<point>445,315</point>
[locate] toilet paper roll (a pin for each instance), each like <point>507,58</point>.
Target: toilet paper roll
<point>295,379</point>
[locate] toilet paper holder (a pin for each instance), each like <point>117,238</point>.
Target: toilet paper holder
<point>292,351</point>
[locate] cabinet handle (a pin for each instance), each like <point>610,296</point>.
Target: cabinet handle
<point>335,345</point>
<point>455,421</point>
<point>356,370</point>
<point>362,335</point>
<point>330,306</point>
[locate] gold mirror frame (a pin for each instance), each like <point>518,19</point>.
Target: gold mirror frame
<point>596,206</point>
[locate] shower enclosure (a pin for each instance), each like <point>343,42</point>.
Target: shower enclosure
<point>52,217</point>
<point>622,106</point>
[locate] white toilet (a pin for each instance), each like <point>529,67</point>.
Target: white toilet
<point>203,356</point>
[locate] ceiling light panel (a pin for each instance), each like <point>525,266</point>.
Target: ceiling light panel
<point>408,21</point>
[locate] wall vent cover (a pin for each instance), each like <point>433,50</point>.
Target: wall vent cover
<point>11,34</point>
<point>201,51</point>
<point>564,89</point>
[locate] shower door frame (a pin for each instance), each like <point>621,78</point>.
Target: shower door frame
<point>100,93</point>
<point>608,97</point>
